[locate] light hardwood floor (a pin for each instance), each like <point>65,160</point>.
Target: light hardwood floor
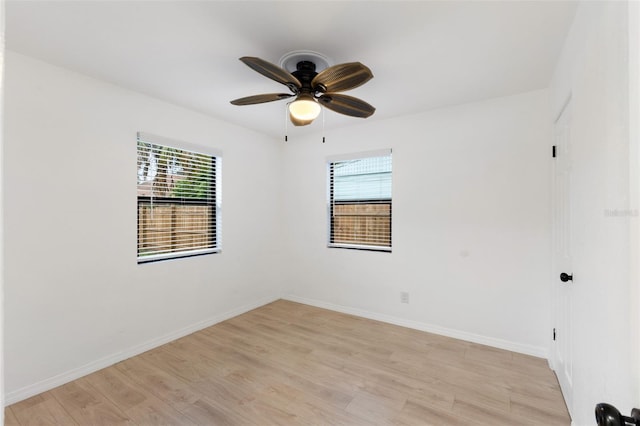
<point>288,363</point>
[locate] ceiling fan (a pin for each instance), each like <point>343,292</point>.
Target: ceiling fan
<point>313,89</point>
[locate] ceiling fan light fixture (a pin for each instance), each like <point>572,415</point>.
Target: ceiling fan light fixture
<point>305,108</point>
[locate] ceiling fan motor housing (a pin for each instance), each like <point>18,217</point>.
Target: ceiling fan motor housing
<point>305,72</point>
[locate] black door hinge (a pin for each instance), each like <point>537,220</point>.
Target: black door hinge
<point>553,151</point>
<point>554,334</point>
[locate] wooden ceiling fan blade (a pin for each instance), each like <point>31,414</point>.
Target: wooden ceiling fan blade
<point>341,77</point>
<point>273,72</point>
<point>260,99</point>
<point>347,105</point>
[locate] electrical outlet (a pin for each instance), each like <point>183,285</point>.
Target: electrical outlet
<point>404,297</point>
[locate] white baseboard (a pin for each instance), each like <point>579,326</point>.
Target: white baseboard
<point>430,328</point>
<point>76,373</point>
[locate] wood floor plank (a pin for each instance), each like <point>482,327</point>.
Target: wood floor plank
<point>376,408</point>
<point>287,364</point>
<point>207,412</point>
<point>87,406</point>
<point>162,385</point>
<point>315,413</point>
<point>41,409</point>
<point>139,405</point>
<point>153,412</point>
<point>482,414</point>
<point>414,413</point>
<point>552,412</point>
<point>10,418</point>
<point>111,383</point>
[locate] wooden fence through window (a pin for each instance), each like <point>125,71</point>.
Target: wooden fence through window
<point>362,223</point>
<point>167,228</point>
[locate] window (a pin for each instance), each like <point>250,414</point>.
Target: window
<point>360,201</point>
<point>178,200</point>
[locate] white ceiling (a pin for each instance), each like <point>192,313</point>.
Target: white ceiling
<point>423,55</point>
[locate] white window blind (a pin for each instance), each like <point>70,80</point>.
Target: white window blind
<point>178,200</point>
<point>360,201</point>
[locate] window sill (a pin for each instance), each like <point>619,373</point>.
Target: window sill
<point>360,247</point>
<point>169,256</point>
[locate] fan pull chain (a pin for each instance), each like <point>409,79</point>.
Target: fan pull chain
<point>286,121</point>
<point>322,125</point>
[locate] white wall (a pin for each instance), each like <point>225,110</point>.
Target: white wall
<point>594,70</point>
<point>470,223</point>
<point>634,185</point>
<point>76,299</point>
<point>2,54</point>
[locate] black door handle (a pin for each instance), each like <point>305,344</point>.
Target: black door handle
<point>608,415</point>
<point>564,277</point>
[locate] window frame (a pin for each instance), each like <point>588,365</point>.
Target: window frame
<point>330,161</point>
<point>213,200</point>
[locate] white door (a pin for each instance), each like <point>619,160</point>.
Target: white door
<point>562,280</point>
